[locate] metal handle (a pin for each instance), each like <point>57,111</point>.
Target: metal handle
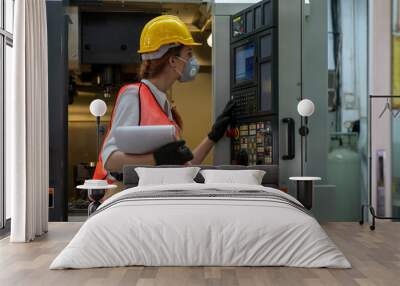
<point>290,139</point>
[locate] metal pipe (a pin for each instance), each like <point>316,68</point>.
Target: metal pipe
<point>301,82</point>
<point>98,134</point>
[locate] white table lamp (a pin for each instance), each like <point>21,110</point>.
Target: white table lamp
<point>98,108</point>
<point>305,108</point>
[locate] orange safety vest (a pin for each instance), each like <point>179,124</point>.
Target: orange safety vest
<point>150,113</point>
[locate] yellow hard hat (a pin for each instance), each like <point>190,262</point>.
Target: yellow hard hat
<point>164,30</point>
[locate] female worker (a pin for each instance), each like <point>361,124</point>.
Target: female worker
<point>167,56</point>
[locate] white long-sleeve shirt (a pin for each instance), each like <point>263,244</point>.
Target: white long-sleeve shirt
<point>126,113</point>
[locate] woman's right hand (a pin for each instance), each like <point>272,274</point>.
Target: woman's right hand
<point>174,153</point>
<point>221,123</point>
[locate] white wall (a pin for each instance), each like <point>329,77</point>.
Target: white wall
<point>380,84</point>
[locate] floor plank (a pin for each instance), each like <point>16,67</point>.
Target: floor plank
<point>375,257</point>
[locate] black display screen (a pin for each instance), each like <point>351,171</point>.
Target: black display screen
<point>244,63</point>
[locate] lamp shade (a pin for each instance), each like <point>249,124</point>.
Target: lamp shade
<point>209,40</point>
<point>98,107</point>
<point>305,108</point>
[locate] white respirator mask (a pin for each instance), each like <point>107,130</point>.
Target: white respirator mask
<point>190,70</point>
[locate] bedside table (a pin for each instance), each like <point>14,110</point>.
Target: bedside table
<point>305,186</point>
<point>96,190</point>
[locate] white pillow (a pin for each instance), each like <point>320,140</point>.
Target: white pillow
<point>163,176</point>
<point>248,177</point>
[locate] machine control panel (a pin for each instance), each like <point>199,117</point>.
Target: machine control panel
<point>262,15</point>
<point>254,85</point>
<point>246,102</point>
<point>252,143</point>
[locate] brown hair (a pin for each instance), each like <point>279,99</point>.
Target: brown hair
<point>152,68</point>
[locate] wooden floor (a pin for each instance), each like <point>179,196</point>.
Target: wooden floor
<point>375,257</point>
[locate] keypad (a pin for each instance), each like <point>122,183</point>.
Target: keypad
<point>246,103</point>
<point>256,140</point>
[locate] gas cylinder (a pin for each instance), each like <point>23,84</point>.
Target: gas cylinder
<point>344,171</point>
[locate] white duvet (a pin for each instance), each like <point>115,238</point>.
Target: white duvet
<point>200,231</point>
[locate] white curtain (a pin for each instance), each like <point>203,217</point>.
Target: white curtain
<point>27,173</point>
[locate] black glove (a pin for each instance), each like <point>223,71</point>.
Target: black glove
<point>174,153</point>
<point>221,123</point>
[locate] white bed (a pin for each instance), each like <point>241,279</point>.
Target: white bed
<point>207,230</point>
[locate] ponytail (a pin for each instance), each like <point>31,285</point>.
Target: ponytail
<point>177,117</point>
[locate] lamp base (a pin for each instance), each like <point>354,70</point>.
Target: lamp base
<point>95,195</point>
<point>305,193</point>
<point>303,131</point>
